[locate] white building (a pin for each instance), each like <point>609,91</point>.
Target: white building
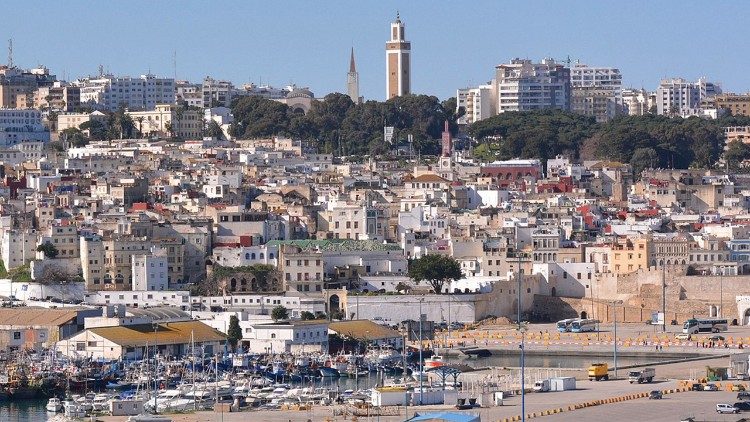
<point>108,92</point>
<point>676,95</point>
<point>596,91</point>
<point>477,102</point>
<point>523,85</point>
<point>166,119</point>
<point>18,247</point>
<point>150,271</point>
<point>636,102</point>
<point>18,125</point>
<point>288,337</point>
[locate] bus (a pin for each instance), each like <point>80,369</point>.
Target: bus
<point>583,325</point>
<point>564,324</point>
<point>705,325</point>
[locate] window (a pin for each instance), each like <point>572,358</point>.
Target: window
<point>16,335</point>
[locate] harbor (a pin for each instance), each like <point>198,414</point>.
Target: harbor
<point>357,381</point>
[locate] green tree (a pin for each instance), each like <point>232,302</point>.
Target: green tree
<point>234,332</point>
<point>75,137</point>
<point>736,153</point>
<point>306,316</point>
<point>50,251</point>
<point>436,270</point>
<point>213,130</point>
<point>257,117</point>
<point>279,313</point>
<point>97,129</point>
<point>643,158</point>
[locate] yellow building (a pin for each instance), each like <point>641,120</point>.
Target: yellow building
<point>629,255</point>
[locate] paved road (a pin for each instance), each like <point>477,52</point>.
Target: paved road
<point>699,404</point>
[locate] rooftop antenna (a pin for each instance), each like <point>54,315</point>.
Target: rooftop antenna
<point>101,70</point>
<point>174,63</point>
<point>10,52</point>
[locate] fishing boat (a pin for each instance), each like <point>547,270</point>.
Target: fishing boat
<point>54,405</point>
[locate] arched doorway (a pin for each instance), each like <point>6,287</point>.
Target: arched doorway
<point>554,292</point>
<point>584,315</point>
<point>746,317</point>
<point>334,304</point>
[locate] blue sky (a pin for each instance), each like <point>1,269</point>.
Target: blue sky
<point>454,44</point>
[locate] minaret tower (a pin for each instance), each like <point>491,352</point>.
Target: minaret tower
<point>352,80</point>
<point>397,61</point>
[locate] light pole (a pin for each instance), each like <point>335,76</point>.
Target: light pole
<point>663,296</point>
<point>614,312</point>
<point>522,330</point>
<point>721,292</point>
<point>421,362</point>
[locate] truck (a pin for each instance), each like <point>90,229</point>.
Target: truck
<point>598,371</point>
<point>644,375</point>
<point>541,386</point>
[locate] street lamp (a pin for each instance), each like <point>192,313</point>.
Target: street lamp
<point>522,329</point>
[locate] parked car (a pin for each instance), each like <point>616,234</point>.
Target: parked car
<point>743,395</point>
<point>744,406</point>
<point>655,395</point>
<point>710,387</point>
<point>716,338</point>
<point>696,387</point>
<point>738,387</point>
<point>682,336</point>
<point>726,408</point>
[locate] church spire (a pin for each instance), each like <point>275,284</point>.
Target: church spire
<point>352,80</point>
<point>352,66</point>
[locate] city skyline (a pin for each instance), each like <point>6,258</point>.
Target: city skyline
<point>311,45</point>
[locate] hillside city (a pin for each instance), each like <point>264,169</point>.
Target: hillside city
<point>145,215</point>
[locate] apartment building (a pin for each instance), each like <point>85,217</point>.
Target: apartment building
<point>189,94</point>
<point>18,247</point>
<point>150,270</point>
<point>19,125</point>
<point>108,92</point>
<point>523,85</point>
<point>17,86</point>
<point>169,120</point>
<point>677,96</point>
<point>596,91</point>
<point>478,104</point>
<point>106,263</point>
<point>637,102</point>
<point>736,104</point>
<point>302,270</point>
<point>59,97</point>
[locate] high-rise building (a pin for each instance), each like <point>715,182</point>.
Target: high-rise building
<point>217,93</point>
<point>522,85</point>
<point>677,96</point>
<point>397,62</point>
<point>352,80</point>
<point>596,91</point>
<point>477,103</point>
